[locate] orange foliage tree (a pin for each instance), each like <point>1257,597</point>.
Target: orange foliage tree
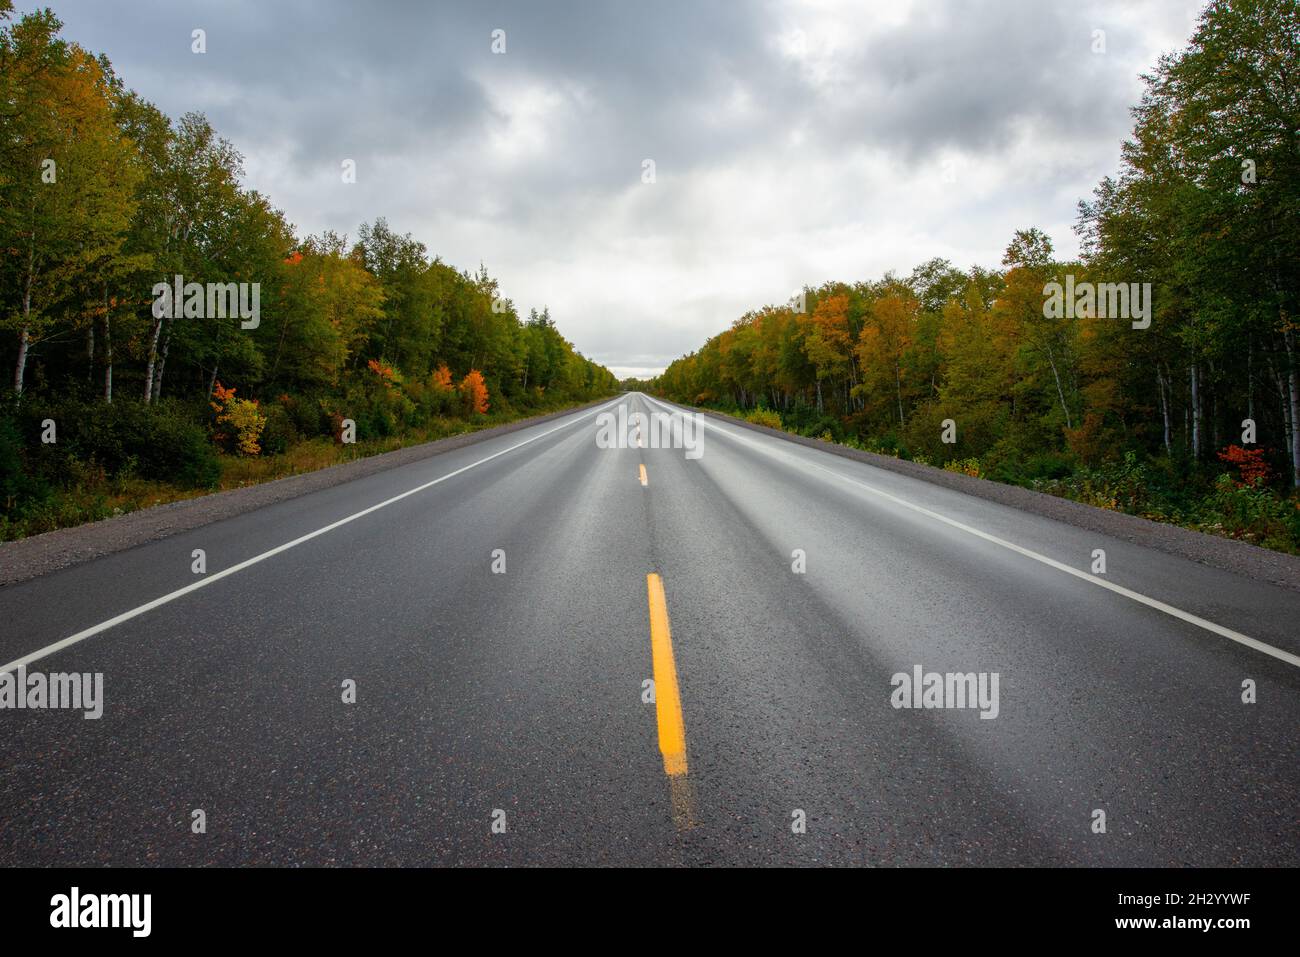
<point>442,378</point>
<point>385,372</point>
<point>475,392</point>
<point>1250,462</point>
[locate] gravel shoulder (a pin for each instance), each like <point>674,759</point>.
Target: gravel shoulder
<point>39,555</point>
<point>1242,558</point>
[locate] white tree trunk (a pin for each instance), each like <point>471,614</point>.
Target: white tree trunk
<point>1196,413</point>
<point>1293,390</point>
<point>21,365</point>
<point>1164,406</point>
<point>153,359</point>
<point>108,358</point>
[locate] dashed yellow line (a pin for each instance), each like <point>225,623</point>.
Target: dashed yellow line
<point>644,479</point>
<point>668,702</point>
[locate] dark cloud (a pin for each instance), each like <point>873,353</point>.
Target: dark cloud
<point>790,140</point>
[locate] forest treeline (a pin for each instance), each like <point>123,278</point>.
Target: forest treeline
<point>1077,401</point>
<point>103,198</point>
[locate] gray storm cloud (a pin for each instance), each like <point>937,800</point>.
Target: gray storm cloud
<point>793,143</point>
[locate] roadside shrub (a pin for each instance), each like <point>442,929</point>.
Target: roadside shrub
<point>1006,463</point>
<point>19,490</point>
<point>279,433</point>
<point>1118,486</point>
<point>1253,513</point>
<point>886,444</point>
<point>379,423</point>
<point>238,423</point>
<point>1049,465</point>
<point>308,415</point>
<point>765,417</point>
<point>162,442</point>
<point>502,407</point>
<point>178,451</point>
<point>824,425</point>
<point>970,466</point>
<point>1250,464</point>
<point>442,391</point>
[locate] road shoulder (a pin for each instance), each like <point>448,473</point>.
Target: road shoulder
<point>1242,558</point>
<point>39,555</point>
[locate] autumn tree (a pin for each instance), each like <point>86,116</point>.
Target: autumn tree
<point>474,393</point>
<point>885,340</point>
<point>66,177</point>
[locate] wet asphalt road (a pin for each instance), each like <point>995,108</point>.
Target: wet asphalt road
<point>522,692</point>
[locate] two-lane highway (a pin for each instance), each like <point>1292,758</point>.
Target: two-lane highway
<point>565,653</point>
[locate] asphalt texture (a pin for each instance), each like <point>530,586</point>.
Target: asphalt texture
<point>515,698</point>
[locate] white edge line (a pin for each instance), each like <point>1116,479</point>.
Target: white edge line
<point>239,567</point>
<point>1186,616</point>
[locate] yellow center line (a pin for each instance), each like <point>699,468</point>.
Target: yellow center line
<point>644,480</point>
<point>668,702</point>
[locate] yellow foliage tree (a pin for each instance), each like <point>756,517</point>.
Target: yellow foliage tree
<point>242,416</point>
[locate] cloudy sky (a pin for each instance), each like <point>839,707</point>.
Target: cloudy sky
<point>792,142</point>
